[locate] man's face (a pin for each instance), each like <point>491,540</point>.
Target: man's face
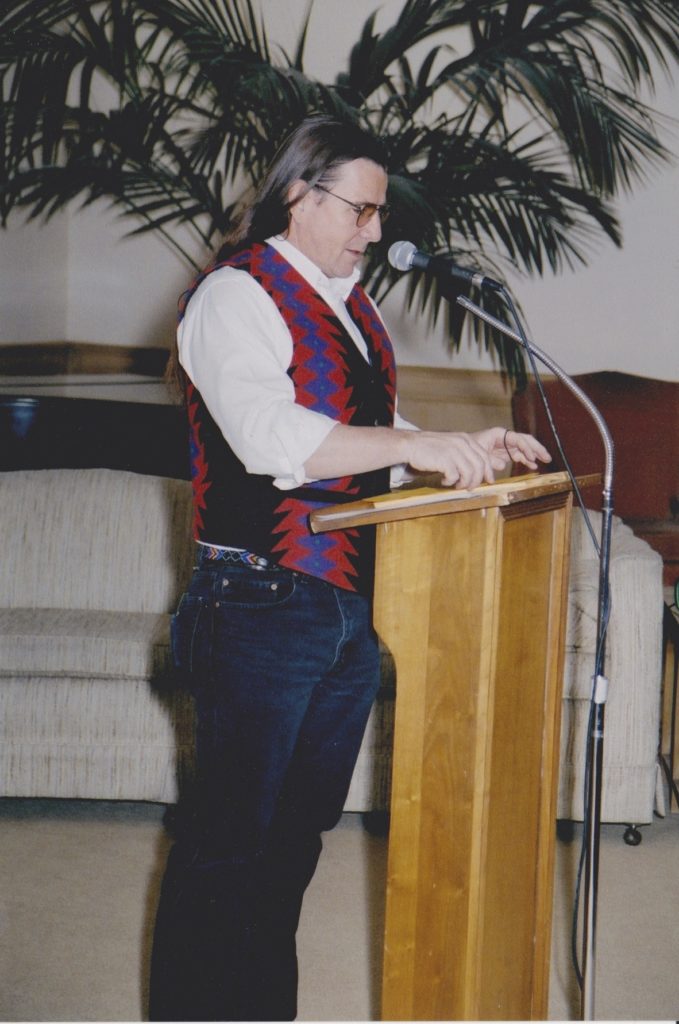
<point>324,228</point>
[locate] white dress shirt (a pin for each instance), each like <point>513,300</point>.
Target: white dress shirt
<point>236,349</point>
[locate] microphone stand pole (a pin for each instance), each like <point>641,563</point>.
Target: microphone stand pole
<point>594,774</point>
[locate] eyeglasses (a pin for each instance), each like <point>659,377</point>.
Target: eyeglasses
<point>364,211</point>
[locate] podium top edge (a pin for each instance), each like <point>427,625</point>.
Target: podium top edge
<point>421,501</point>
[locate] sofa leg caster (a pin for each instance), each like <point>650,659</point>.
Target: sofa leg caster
<point>632,835</point>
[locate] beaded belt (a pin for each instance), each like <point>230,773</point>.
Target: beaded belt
<point>233,557</point>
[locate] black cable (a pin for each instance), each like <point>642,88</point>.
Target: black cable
<point>550,418</point>
<point>600,646</point>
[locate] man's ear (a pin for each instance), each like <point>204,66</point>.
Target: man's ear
<point>296,192</point>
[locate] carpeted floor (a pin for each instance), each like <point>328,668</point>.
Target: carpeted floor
<point>78,883</point>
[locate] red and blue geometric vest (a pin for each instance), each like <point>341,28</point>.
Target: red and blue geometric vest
<point>234,508</point>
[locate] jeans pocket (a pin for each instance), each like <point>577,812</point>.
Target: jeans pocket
<point>188,627</point>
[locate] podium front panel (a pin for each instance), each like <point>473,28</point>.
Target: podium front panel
<point>472,606</point>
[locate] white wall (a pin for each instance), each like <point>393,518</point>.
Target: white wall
<point>79,278</point>
<point>121,290</point>
<point>34,281</point>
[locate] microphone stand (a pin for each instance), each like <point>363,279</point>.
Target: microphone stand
<point>594,772</point>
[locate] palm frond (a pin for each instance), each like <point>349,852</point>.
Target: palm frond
<point>508,138</point>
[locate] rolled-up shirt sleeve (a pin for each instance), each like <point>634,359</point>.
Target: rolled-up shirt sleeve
<point>236,349</point>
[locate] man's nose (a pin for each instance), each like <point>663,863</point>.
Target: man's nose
<point>373,229</point>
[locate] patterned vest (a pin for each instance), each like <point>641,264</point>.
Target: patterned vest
<point>235,508</point>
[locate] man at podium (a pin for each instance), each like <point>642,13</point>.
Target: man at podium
<point>289,382</point>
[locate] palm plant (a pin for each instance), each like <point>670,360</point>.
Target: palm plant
<point>508,141</point>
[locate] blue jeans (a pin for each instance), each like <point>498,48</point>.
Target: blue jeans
<point>283,669</point>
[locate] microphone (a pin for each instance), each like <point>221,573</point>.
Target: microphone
<point>404,256</point>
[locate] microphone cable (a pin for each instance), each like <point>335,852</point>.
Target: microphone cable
<point>600,645</point>
<point>404,256</point>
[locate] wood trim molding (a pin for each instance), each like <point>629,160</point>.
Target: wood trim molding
<point>48,358</point>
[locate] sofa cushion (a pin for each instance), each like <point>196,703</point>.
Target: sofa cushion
<point>85,644</point>
<point>93,538</point>
<point>93,739</point>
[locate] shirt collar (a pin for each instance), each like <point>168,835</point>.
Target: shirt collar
<point>339,287</point>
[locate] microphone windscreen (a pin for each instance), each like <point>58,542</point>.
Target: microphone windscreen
<point>400,255</point>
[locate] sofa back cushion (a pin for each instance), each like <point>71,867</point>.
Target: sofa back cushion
<point>93,539</point>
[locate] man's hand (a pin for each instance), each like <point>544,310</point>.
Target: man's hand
<point>460,458</point>
<point>504,446</point>
<point>467,460</point>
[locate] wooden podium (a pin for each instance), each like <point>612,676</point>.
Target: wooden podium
<point>470,597</point>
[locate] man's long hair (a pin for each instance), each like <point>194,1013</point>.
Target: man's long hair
<point>313,152</point>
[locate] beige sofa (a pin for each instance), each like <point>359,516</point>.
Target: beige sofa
<point>93,563</point>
